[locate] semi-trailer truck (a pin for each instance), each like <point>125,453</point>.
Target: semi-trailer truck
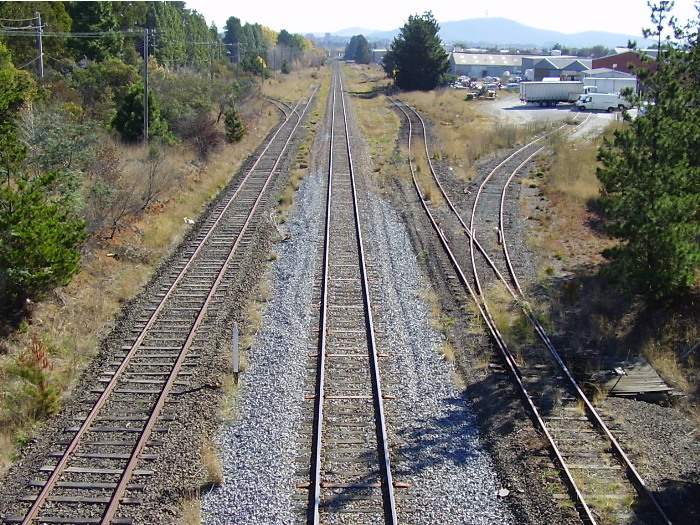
<point>550,93</point>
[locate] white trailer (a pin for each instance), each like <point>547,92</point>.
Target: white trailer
<point>550,93</point>
<point>611,85</point>
<point>603,102</point>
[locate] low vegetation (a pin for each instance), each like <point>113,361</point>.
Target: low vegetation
<point>130,204</point>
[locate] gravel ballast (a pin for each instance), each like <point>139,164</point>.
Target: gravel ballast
<point>435,440</point>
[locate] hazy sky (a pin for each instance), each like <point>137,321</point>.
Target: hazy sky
<point>321,16</point>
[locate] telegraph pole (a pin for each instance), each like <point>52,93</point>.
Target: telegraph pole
<point>39,31</point>
<point>145,86</point>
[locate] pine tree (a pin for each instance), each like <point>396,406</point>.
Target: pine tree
<point>128,120</point>
<point>39,240</point>
<point>650,174</point>
<point>416,59</point>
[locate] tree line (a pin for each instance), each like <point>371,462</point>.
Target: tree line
<point>60,178</point>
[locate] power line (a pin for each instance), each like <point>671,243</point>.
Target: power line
<point>18,19</point>
<point>62,34</point>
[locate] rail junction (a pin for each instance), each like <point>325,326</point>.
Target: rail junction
<point>97,472</point>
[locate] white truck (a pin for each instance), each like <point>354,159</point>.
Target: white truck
<point>610,85</point>
<point>550,93</point>
<point>603,102</point>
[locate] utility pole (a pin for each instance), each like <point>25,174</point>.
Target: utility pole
<point>211,61</point>
<point>145,86</point>
<point>39,31</point>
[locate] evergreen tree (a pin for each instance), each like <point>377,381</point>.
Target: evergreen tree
<point>235,129</point>
<point>351,49</point>
<point>128,120</point>
<point>285,38</point>
<point>233,31</point>
<point>168,21</point>
<point>416,59</point>
<point>650,173</point>
<point>362,54</point>
<point>53,17</point>
<point>39,240</point>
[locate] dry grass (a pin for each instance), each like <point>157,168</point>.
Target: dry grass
<point>465,132</point>
<point>228,411</point>
<point>378,120</point>
<point>191,511</point>
<point>72,322</point>
<point>448,351</point>
<point>564,239</point>
<point>212,463</point>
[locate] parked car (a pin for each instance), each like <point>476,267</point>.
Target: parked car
<point>512,86</point>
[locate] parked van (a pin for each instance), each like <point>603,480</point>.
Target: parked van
<point>602,101</point>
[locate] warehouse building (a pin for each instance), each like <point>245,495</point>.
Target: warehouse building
<point>478,65</point>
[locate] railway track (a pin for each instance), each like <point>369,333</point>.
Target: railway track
<point>350,478</point>
<point>602,481</point>
<point>97,473</point>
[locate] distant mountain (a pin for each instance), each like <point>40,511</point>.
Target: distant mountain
<point>502,32</point>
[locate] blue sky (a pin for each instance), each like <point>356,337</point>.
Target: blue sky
<point>321,16</point>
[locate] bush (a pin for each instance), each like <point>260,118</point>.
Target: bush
<point>201,132</point>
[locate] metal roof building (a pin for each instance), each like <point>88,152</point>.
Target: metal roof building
<point>565,67</point>
<point>478,65</point>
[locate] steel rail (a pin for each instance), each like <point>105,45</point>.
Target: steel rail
<point>337,91</point>
<point>152,420</point>
<point>31,514</point>
<point>498,338</point>
<point>388,485</point>
<point>315,471</point>
<point>631,471</point>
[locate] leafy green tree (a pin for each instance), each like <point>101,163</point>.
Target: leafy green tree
<point>54,17</point>
<point>95,17</point>
<point>416,59</point>
<point>58,144</point>
<point>39,240</point>
<point>650,173</point>
<point>104,85</point>
<point>16,88</point>
<point>128,121</point>
<point>167,19</point>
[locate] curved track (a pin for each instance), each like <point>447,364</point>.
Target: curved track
<point>602,481</point>
<point>104,465</point>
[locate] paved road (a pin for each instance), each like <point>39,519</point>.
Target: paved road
<point>509,107</point>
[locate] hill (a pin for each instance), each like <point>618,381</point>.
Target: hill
<point>502,32</point>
